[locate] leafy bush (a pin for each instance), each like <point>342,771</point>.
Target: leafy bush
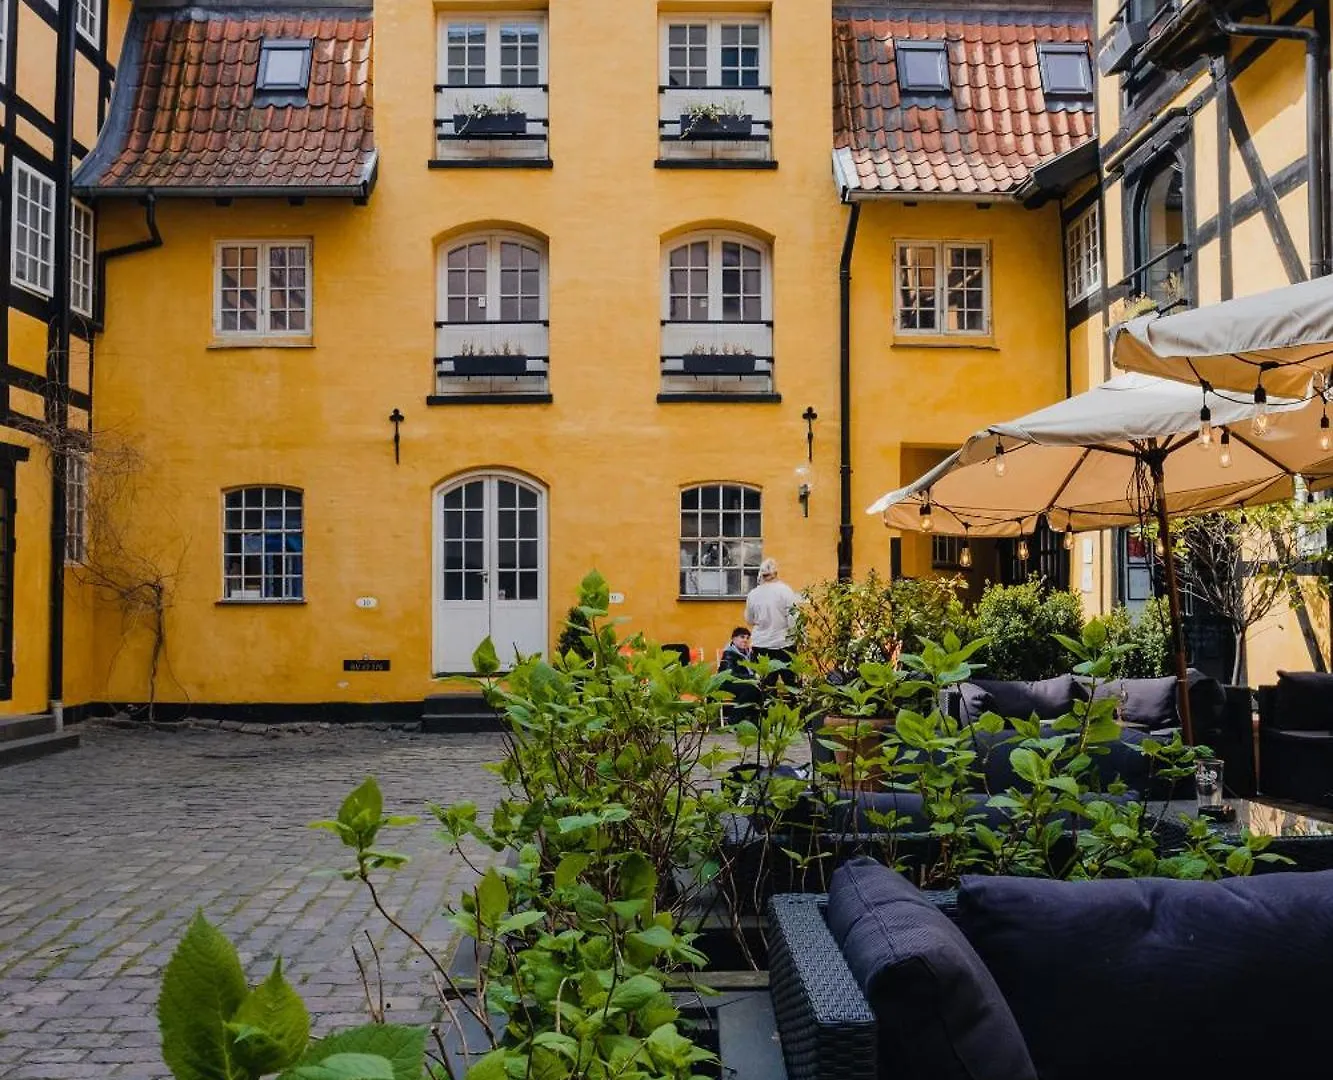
<point>1019,623</point>
<point>1147,637</point>
<point>593,594</point>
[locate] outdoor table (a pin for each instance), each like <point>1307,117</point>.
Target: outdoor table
<point>1305,839</point>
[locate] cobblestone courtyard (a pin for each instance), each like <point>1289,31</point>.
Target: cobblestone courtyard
<point>107,851</point>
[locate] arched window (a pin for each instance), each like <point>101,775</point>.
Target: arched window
<point>1160,243</point>
<point>721,539</point>
<point>263,544</point>
<point>717,277</point>
<point>499,277</point>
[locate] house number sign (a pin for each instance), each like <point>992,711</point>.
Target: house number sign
<point>366,664</point>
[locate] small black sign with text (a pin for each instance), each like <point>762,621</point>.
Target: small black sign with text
<point>365,664</point>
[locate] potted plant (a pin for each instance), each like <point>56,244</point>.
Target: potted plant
<point>719,360</point>
<point>499,117</point>
<point>507,360</point>
<point>716,120</point>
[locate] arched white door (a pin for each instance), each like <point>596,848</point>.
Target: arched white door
<point>490,569</point>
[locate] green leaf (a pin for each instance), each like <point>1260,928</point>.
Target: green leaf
<point>361,812</point>
<point>578,821</point>
<point>492,898</point>
<point>484,658</point>
<point>635,992</point>
<point>201,990</point>
<point>403,1048</point>
<point>490,1067</point>
<point>278,1026</point>
<point>627,909</point>
<point>521,921</point>
<point>656,937</point>
<point>561,1044</point>
<point>344,1067</point>
<point>571,866</point>
<point>638,879</point>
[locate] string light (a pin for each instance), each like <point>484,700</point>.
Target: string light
<point>1325,436</point>
<point>1205,428</point>
<point>1023,549</point>
<point>965,556</point>
<point>1159,548</point>
<point>1001,466</point>
<point>1260,422</point>
<point>927,518</point>
<point>1069,538</point>
<point>1224,458</point>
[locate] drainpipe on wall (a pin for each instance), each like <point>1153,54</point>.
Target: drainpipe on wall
<point>1316,128</point>
<point>103,257</point>
<point>845,397</point>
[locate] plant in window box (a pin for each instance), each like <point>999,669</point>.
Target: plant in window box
<point>499,117</point>
<point>719,360</point>
<point>716,120</point>
<point>505,359</point>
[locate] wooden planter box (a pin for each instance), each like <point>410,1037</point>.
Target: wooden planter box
<point>864,738</point>
<point>514,123</point>
<point>718,364</point>
<point>490,365</point>
<point>724,127</point>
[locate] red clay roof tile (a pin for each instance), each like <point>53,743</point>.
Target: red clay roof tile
<point>996,126</point>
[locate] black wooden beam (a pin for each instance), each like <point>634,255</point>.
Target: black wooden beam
<point>1263,190</point>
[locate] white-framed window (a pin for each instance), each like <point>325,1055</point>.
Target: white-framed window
<point>946,552</point>
<point>499,277</point>
<point>717,277</point>
<point>76,508</point>
<point>263,544</point>
<point>942,287</point>
<point>1083,255</point>
<point>721,52</point>
<point>505,50</point>
<point>721,539</point>
<point>262,288</point>
<point>88,19</point>
<point>33,229</point>
<point>82,246</point>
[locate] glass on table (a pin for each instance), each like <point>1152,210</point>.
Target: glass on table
<point>1208,784</point>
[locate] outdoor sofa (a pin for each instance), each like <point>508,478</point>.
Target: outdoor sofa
<point>1296,738</point>
<point>1032,979</point>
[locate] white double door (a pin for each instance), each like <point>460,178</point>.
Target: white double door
<point>490,569</point>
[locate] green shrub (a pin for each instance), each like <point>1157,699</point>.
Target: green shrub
<point>1149,638</point>
<point>926,609</point>
<point>575,637</point>
<point>1018,622</point>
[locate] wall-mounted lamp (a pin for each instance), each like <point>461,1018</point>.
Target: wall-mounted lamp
<point>809,416</point>
<point>396,418</point>
<point>805,483</point>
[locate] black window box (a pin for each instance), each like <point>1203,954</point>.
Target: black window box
<point>718,365</point>
<point>514,123</point>
<point>724,127</point>
<point>490,365</point>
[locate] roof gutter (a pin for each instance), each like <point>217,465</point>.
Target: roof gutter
<point>345,191</point>
<point>931,196</point>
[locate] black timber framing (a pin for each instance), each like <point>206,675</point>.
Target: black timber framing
<point>1283,182</point>
<point>1222,80</point>
<point>1263,190</point>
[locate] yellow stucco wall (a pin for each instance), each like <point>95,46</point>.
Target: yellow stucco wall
<point>611,457</point>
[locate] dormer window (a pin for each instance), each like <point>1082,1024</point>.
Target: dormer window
<point>284,66</point>
<point>923,66</point>
<point>1065,70</point>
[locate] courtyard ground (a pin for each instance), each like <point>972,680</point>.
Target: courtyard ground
<point>107,851</point>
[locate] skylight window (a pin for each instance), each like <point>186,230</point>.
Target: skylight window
<point>922,66</point>
<point>1066,70</point>
<point>284,65</point>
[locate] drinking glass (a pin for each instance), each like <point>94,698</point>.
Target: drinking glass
<point>1208,783</point>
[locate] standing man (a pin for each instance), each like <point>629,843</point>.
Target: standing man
<point>770,609</point>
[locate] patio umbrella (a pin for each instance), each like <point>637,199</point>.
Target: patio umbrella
<point>1123,451</point>
<point>1279,339</point>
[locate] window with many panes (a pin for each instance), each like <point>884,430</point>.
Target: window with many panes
<point>33,229</point>
<point>717,53</point>
<point>262,288</point>
<point>946,552</point>
<point>88,18</point>
<point>496,278</point>
<point>507,51</point>
<point>721,539</point>
<point>1083,255</point>
<point>717,278</point>
<point>76,508</point>
<point>82,244</point>
<point>942,288</point>
<point>263,544</point>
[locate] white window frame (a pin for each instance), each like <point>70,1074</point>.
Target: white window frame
<point>697,542</point>
<point>82,258</point>
<point>46,204</point>
<point>76,508</point>
<point>713,60</point>
<point>4,37</point>
<point>493,25</point>
<point>1083,255</point>
<point>715,240</point>
<point>492,240</point>
<point>941,249</point>
<point>262,320</point>
<point>233,590</point>
<point>88,19</point>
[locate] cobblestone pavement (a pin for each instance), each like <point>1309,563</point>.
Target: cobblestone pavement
<point>106,852</point>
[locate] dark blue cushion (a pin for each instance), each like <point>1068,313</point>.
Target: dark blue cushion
<point>1121,760</point>
<point>1150,702</point>
<point>939,1013</point>
<point>1048,698</point>
<point>1304,700</point>
<point>1225,979</point>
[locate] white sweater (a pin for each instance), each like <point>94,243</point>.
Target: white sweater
<point>770,609</point>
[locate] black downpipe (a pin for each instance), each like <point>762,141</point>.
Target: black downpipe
<point>845,397</point>
<point>1316,127</point>
<point>57,341</point>
<point>103,257</point>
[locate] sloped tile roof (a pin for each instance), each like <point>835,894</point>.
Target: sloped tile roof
<point>987,135</point>
<point>187,119</point>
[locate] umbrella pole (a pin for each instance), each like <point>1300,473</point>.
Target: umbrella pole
<point>1173,599</point>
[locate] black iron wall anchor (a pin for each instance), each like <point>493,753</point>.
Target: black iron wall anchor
<point>809,416</point>
<point>396,418</point>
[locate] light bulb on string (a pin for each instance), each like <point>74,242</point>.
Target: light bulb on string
<point>1325,436</point>
<point>965,556</point>
<point>1159,548</point>
<point>927,517</point>
<point>1260,422</point>
<point>1224,458</point>
<point>1001,466</point>
<point>1069,538</point>
<point>1023,549</point>
<point>1205,428</point>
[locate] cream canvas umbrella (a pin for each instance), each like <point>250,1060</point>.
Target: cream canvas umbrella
<point>1280,340</point>
<point>1124,451</point>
